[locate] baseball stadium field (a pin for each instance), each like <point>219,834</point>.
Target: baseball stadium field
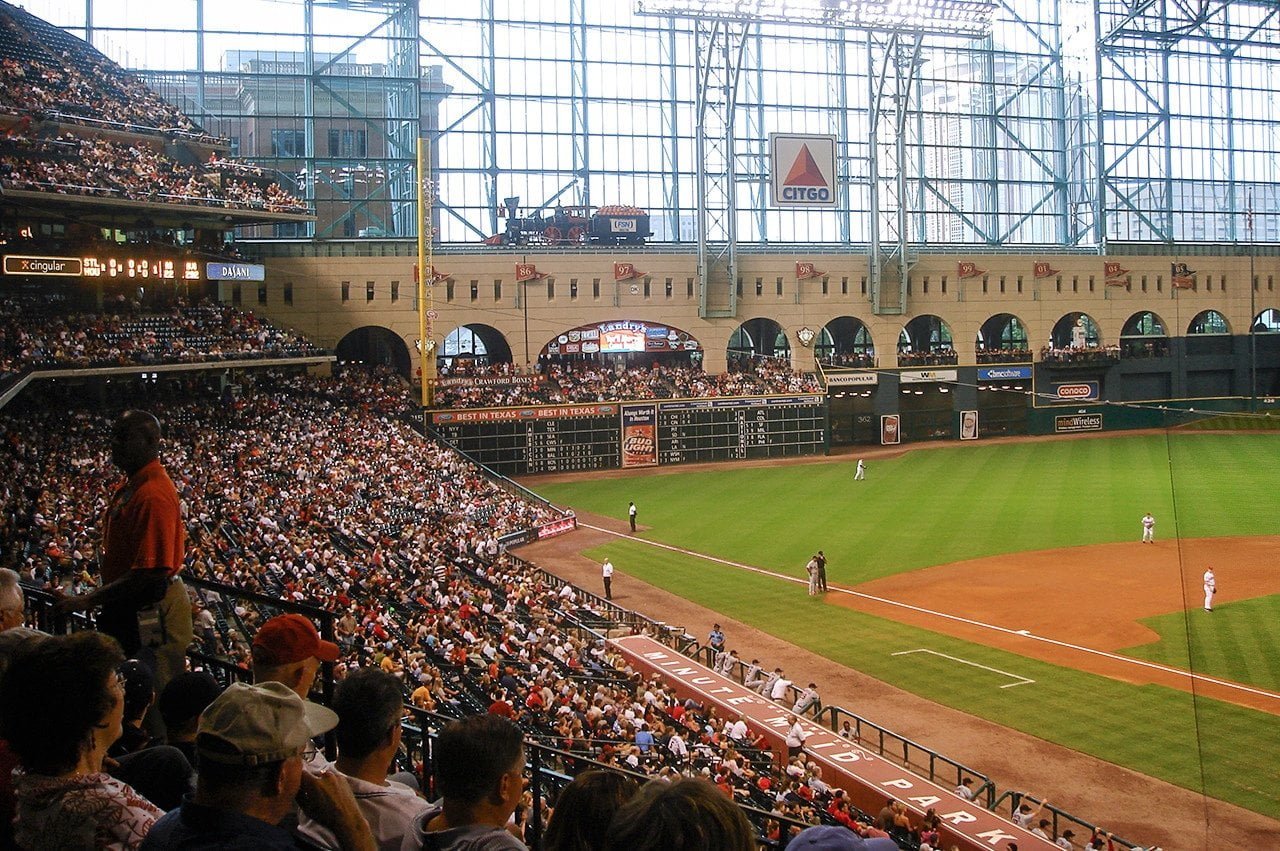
<point>1008,581</point>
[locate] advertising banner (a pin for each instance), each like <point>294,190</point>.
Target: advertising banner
<point>921,376</point>
<point>802,170</point>
<point>890,432</point>
<point>1077,422</point>
<point>844,379</point>
<point>499,415</point>
<point>639,436</point>
<point>235,271</point>
<point>968,425</point>
<point>1077,391</point>
<point>1003,373</point>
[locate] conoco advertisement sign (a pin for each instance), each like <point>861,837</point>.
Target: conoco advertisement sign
<point>1076,391</point>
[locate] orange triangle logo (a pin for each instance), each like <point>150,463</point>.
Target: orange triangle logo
<point>804,171</point>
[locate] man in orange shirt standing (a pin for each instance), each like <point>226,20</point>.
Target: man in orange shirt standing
<point>143,603</point>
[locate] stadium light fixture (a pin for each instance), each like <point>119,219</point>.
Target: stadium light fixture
<point>965,18</point>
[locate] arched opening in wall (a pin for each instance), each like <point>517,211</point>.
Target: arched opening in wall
<point>926,341</point>
<point>1144,336</point>
<point>473,350</point>
<point>1265,352</point>
<point>758,338</point>
<point>1003,339</point>
<point>845,342</point>
<point>375,346</point>
<point>1075,331</point>
<point>619,345</point>
<point>1209,340</point>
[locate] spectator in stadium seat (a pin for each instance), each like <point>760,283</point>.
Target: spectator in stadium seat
<point>827,837</point>
<point>584,810</point>
<point>13,603</point>
<point>288,649</point>
<point>251,744</point>
<point>369,704</point>
<point>180,705</point>
<point>685,815</point>
<point>61,707</point>
<point>479,763</point>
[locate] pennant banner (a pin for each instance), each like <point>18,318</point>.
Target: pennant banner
<point>969,270</point>
<point>805,271</point>
<point>1181,277</point>
<point>527,272</point>
<point>1116,275</point>
<point>626,272</point>
<point>433,275</point>
<point>1043,270</point>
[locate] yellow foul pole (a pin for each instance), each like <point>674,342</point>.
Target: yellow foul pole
<point>426,346</point>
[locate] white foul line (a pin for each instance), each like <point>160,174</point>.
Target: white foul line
<point>1022,681</point>
<point>1141,663</point>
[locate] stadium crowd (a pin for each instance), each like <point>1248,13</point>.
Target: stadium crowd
<point>1073,354</point>
<point>76,165</point>
<point>48,74</point>
<point>945,356</point>
<point>31,337</point>
<point>311,489</point>
<point>499,385</point>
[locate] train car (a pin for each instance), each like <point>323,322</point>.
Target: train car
<point>573,225</point>
<point>617,225</point>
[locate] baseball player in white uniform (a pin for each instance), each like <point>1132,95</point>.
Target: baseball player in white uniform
<point>1210,588</point>
<point>1148,529</point>
<point>861,472</point>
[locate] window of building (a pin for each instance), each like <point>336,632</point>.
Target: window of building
<point>346,291</point>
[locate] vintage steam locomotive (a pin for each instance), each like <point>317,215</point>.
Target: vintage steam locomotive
<point>573,225</point>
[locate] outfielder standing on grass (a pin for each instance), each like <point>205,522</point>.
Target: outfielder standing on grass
<point>1210,588</point>
<point>1148,529</point>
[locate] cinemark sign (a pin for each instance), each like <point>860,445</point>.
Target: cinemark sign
<point>865,776</point>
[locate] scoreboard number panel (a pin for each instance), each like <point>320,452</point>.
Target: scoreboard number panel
<point>549,440</point>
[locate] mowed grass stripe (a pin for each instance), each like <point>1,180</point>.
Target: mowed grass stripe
<point>1238,641</point>
<point>936,506</point>
<point>1151,729</point>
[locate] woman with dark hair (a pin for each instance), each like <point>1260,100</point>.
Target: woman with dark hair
<point>687,815</point>
<point>581,818</point>
<point>61,707</point>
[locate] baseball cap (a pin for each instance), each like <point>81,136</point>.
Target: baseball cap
<point>829,837</point>
<point>186,696</point>
<point>259,724</point>
<point>286,639</point>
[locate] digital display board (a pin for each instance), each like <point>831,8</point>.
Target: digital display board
<point>108,265</point>
<point>567,438</point>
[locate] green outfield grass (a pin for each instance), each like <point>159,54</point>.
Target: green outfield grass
<point>939,505</point>
<point>935,506</point>
<point>1238,642</point>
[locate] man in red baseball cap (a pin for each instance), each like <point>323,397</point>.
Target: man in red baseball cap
<point>289,650</point>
